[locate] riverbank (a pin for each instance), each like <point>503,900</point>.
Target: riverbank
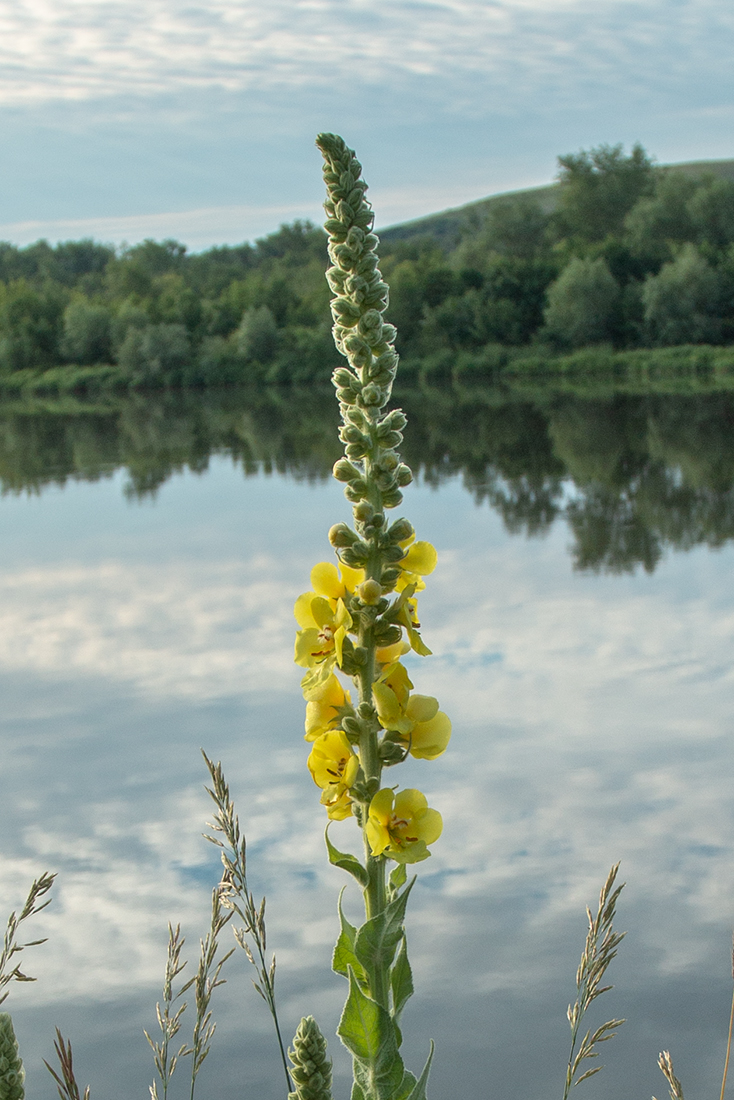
<point>601,368</point>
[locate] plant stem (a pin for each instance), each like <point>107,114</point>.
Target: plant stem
<point>728,1043</point>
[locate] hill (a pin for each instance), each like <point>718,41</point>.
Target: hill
<point>445,226</point>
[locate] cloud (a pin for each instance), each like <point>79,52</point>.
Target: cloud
<point>231,224</point>
<point>73,50</point>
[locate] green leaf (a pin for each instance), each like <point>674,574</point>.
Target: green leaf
<point>346,861</point>
<point>419,1089</point>
<point>378,938</point>
<point>398,877</point>
<point>407,1086</point>
<point>357,1093</point>
<point>344,955</point>
<point>368,1033</point>
<point>401,980</point>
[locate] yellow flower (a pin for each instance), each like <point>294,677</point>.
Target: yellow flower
<point>424,727</point>
<point>401,825</point>
<point>419,561</point>
<point>387,654</point>
<point>323,615</point>
<point>323,704</point>
<point>334,768</point>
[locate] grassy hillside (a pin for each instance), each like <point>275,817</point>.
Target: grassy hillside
<point>446,226</point>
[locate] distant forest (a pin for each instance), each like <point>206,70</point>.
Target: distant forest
<point>620,254</point>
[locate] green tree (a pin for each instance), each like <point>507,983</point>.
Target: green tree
<point>582,304</point>
<point>661,220</point>
<point>257,335</point>
<point>155,354</point>
<point>87,336</point>
<point>30,324</point>
<point>598,188</point>
<point>711,210</point>
<point>681,302</point>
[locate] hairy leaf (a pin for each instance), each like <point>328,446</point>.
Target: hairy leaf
<point>401,980</point>
<point>344,955</point>
<point>346,861</point>
<point>419,1090</point>
<point>368,1033</point>
<point>378,938</point>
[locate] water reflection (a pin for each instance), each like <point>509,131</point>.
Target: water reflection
<point>632,474</point>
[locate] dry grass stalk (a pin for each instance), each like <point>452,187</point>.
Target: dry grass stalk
<point>208,977</point>
<point>237,896</point>
<point>666,1065</point>
<point>66,1085</point>
<point>169,1021</point>
<point>599,950</point>
<point>731,1027</point>
<point>11,947</point>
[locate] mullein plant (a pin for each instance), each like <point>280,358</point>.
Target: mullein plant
<point>356,624</point>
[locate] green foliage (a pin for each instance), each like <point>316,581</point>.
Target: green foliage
<point>87,336</point>
<point>582,304</point>
<point>680,302</point>
<point>256,312</point>
<point>599,188</point>
<point>12,1074</point>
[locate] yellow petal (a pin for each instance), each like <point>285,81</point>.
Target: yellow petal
<point>408,803</point>
<point>429,739</point>
<point>307,645</point>
<point>388,653</point>
<point>302,610</point>
<point>421,708</point>
<point>351,577</point>
<point>381,806</point>
<point>322,611</point>
<point>388,710</point>
<point>326,580</point>
<point>377,836</point>
<point>429,826</point>
<point>421,558</point>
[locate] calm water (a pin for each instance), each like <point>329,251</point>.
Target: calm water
<point>582,618</point>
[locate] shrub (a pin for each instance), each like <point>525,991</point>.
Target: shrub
<point>87,336</point>
<point>681,302</point>
<point>582,304</point>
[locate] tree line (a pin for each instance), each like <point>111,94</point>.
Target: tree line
<point>627,255</point>
<point>651,471</point>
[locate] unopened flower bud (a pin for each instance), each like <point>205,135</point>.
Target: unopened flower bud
<point>372,394</point>
<point>341,535</point>
<point>392,498</point>
<point>364,512</point>
<point>344,470</point>
<point>370,592</point>
<point>399,531</point>
<point>404,475</point>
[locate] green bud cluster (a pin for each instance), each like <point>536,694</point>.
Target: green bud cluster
<point>12,1074</point>
<point>311,1071</point>
<point>371,469</point>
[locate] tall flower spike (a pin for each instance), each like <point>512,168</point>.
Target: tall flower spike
<point>311,1070</point>
<point>12,1074</point>
<point>366,341</point>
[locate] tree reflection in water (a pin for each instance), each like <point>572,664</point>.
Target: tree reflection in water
<point>633,474</point>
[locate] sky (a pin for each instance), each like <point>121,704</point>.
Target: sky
<point>195,119</point>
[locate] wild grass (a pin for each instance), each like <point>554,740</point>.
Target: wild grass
<point>66,1085</point>
<point>599,950</point>
<point>11,947</point>
<point>233,898</point>
<point>238,898</point>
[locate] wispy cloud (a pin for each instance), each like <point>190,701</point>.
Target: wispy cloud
<point>81,50</point>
